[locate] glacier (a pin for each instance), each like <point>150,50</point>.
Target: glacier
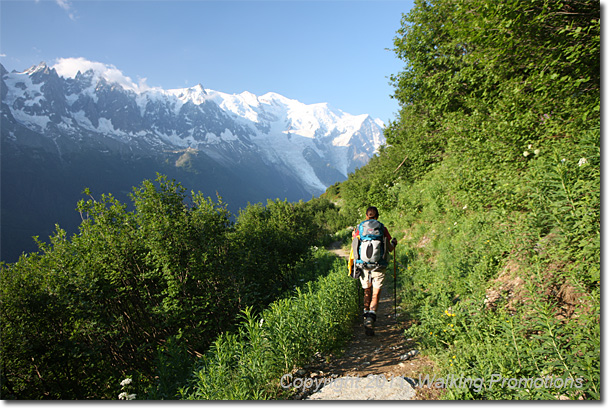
<point>314,142</point>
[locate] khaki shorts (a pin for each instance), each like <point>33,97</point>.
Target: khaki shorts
<point>372,276</point>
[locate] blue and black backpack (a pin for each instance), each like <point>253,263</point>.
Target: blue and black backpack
<point>372,247</point>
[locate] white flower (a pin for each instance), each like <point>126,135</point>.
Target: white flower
<point>529,146</point>
<point>525,153</point>
<point>125,396</point>
<point>465,206</point>
<point>260,324</point>
<point>126,382</point>
<point>536,151</point>
<point>563,160</point>
<point>582,162</point>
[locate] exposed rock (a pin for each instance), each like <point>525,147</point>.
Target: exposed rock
<point>372,387</point>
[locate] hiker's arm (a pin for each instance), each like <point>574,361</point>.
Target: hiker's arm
<point>391,241</point>
<point>392,244</point>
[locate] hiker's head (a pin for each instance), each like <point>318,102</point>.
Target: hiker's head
<point>372,213</point>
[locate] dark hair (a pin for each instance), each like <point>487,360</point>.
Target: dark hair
<point>373,210</point>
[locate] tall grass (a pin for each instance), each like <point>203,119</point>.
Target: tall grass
<point>511,297</point>
<point>248,364</point>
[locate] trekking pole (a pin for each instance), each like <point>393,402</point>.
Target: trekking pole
<point>395,316</point>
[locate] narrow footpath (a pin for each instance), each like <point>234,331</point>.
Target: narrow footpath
<point>386,366</point>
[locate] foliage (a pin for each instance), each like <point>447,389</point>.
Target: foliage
<point>492,305</point>
<point>140,292</point>
<point>249,364</point>
<point>330,217</point>
<point>486,80</point>
<point>269,240</point>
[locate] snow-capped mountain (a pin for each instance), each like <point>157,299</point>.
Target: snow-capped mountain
<point>80,124</point>
<point>316,144</point>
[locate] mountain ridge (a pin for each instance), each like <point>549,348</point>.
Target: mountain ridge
<point>247,148</point>
<point>154,116</point>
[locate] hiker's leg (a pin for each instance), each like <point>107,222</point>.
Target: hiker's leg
<point>368,294</point>
<point>375,299</point>
<point>377,276</point>
<point>366,282</point>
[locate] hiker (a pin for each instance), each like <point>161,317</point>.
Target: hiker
<point>372,274</point>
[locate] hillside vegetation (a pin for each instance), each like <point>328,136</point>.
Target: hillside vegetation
<point>492,177</point>
<point>140,293</point>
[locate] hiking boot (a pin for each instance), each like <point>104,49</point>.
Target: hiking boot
<point>368,324</point>
<point>369,314</point>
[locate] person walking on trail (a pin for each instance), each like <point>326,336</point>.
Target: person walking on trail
<point>372,244</point>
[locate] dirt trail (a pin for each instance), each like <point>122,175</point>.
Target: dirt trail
<point>385,354</point>
<point>338,250</point>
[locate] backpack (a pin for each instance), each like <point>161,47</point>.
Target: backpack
<point>372,244</point>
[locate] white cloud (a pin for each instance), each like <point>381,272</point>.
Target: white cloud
<point>67,6</point>
<point>69,67</point>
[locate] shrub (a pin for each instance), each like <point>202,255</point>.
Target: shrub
<point>248,365</point>
<point>141,292</point>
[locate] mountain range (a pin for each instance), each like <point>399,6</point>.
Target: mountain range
<point>62,131</point>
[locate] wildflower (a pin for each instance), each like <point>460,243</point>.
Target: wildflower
<point>582,162</point>
<point>536,151</point>
<point>563,160</point>
<point>525,153</point>
<point>126,382</point>
<point>260,324</point>
<point>465,206</point>
<point>123,396</point>
<point>454,356</point>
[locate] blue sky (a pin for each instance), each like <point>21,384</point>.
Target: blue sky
<point>311,51</point>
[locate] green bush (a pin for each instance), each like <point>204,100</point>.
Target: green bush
<point>111,295</point>
<point>141,292</point>
<point>248,365</point>
<point>487,303</point>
